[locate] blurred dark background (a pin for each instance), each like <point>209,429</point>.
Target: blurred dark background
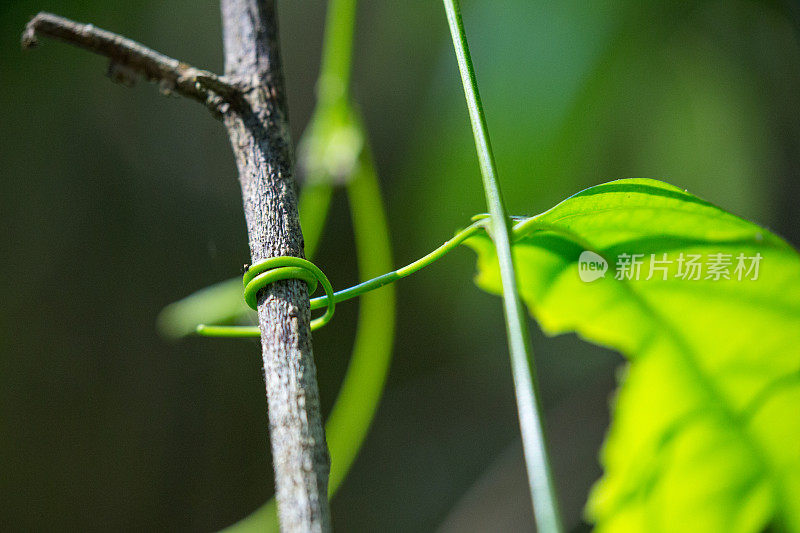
<point>115,202</point>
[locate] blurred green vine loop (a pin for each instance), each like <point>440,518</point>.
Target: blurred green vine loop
<point>331,147</point>
<point>333,84</point>
<point>330,150</point>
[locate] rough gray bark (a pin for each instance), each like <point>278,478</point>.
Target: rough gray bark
<point>259,133</point>
<point>250,99</point>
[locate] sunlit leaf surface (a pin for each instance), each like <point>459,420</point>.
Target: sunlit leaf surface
<point>706,424</point>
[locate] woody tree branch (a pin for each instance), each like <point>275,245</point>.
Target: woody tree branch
<point>129,59</point>
<point>259,134</point>
<point>250,100</point>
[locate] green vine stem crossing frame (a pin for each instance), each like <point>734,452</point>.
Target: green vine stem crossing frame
<point>545,502</point>
<point>354,291</point>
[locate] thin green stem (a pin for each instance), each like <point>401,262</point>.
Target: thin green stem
<point>390,277</point>
<point>227,332</point>
<point>543,493</point>
<point>362,387</point>
<point>334,76</point>
<point>313,205</point>
<point>360,289</point>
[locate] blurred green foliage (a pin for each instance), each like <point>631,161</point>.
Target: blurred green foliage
<point>106,426</point>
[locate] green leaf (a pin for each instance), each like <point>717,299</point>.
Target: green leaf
<point>706,424</point>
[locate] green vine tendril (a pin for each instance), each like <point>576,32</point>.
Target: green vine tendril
<point>261,274</point>
<point>265,272</point>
